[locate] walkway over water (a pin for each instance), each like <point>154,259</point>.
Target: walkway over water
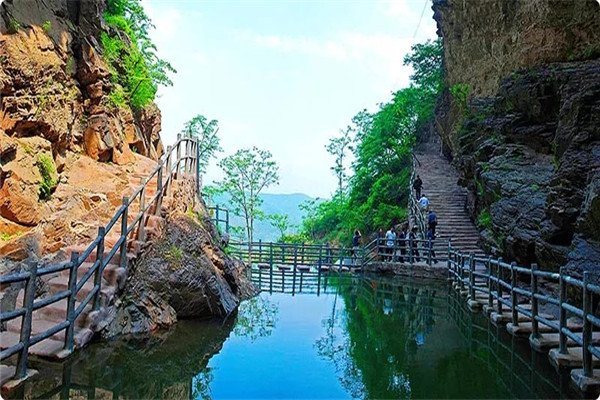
<point>362,337</point>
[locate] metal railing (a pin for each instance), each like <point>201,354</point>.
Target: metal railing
<point>414,208</point>
<point>214,212</point>
<point>503,283</point>
<point>172,165</point>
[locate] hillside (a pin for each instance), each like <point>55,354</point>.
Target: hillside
<point>285,204</point>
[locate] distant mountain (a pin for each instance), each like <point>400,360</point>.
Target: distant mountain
<point>272,204</point>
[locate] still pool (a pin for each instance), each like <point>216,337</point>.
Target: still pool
<point>334,337</point>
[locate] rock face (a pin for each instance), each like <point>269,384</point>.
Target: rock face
<point>183,274</point>
<point>54,107</point>
<point>528,143</point>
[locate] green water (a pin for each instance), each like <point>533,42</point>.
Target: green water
<point>333,338</point>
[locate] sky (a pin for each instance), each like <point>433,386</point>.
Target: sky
<point>284,76</point>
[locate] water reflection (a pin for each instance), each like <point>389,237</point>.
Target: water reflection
<point>379,337</point>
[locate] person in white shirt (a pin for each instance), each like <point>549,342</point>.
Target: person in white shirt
<point>424,202</point>
<point>390,237</point>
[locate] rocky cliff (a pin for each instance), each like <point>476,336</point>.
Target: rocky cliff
<point>56,120</point>
<point>525,135</point>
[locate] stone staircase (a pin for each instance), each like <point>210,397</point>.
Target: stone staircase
<point>113,280</point>
<point>447,199</point>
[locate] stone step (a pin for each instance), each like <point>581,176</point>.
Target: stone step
<point>81,336</point>
<point>524,329</point>
<point>61,283</point>
<point>112,274</point>
<point>46,348</point>
<point>547,341</point>
<point>92,257</point>
<point>57,311</point>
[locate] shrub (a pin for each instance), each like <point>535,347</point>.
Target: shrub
<point>484,219</point>
<point>46,26</point>
<point>460,92</point>
<point>117,97</point>
<point>45,165</point>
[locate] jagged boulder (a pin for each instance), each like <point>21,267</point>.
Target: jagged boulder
<point>183,274</point>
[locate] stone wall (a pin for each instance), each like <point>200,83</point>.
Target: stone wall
<point>527,144</point>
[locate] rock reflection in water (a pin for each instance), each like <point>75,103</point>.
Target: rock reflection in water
<point>168,365</point>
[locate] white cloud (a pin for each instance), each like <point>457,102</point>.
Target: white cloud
<point>382,53</point>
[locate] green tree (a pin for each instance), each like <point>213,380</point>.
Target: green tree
<point>136,69</point>
<point>208,143</point>
<point>247,173</point>
<point>280,222</point>
<point>338,147</point>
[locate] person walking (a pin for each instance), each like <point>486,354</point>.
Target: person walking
<point>355,245</point>
<point>430,239</point>
<point>432,221</point>
<point>417,185</point>
<point>424,202</point>
<point>390,237</point>
<point>412,240</point>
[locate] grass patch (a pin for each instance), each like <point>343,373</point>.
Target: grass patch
<point>46,167</point>
<point>5,236</point>
<point>46,26</point>
<point>175,254</point>
<point>13,26</point>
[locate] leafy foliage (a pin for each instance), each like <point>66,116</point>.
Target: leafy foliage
<point>133,60</point>
<point>247,173</point>
<point>48,184</point>
<point>383,142</point>
<point>338,147</point>
<point>208,143</point>
<point>281,223</point>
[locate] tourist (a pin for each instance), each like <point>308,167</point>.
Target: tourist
<point>417,185</point>
<point>355,244</point>
<point>412,239</point>
<point>432,222</point>
<point>431,238</point>
<point>390,236</point>
<point>424,203</point>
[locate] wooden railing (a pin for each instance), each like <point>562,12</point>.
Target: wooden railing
<point>496,278</point>
<point>172,165</point>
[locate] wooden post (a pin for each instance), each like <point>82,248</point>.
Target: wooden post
<point>472,276</point>
<point>319,265</point>
<point>198,184</point>
<point>169,171</point>
<point>271,267</point>
<point>69,335</point>
<point>295,267</point>
<point>534,302</point>
<point>462,272</point>
<point>99,268</point>
<point>449,261</point>
<point>142,221</point>
<point>562,312</point>
<point>303,251</point>
<point>227,221</point>
<point>28,298</point>
<point>587,327</point>
<point>178,159</point>
<point>159,190</point>
<point>490,275</point>
<point>410,250</point>
<point>123,255</point>
<point>217,215</point>
<point>499,286</point>
<point>513,294</point>
<point>429,252</point>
